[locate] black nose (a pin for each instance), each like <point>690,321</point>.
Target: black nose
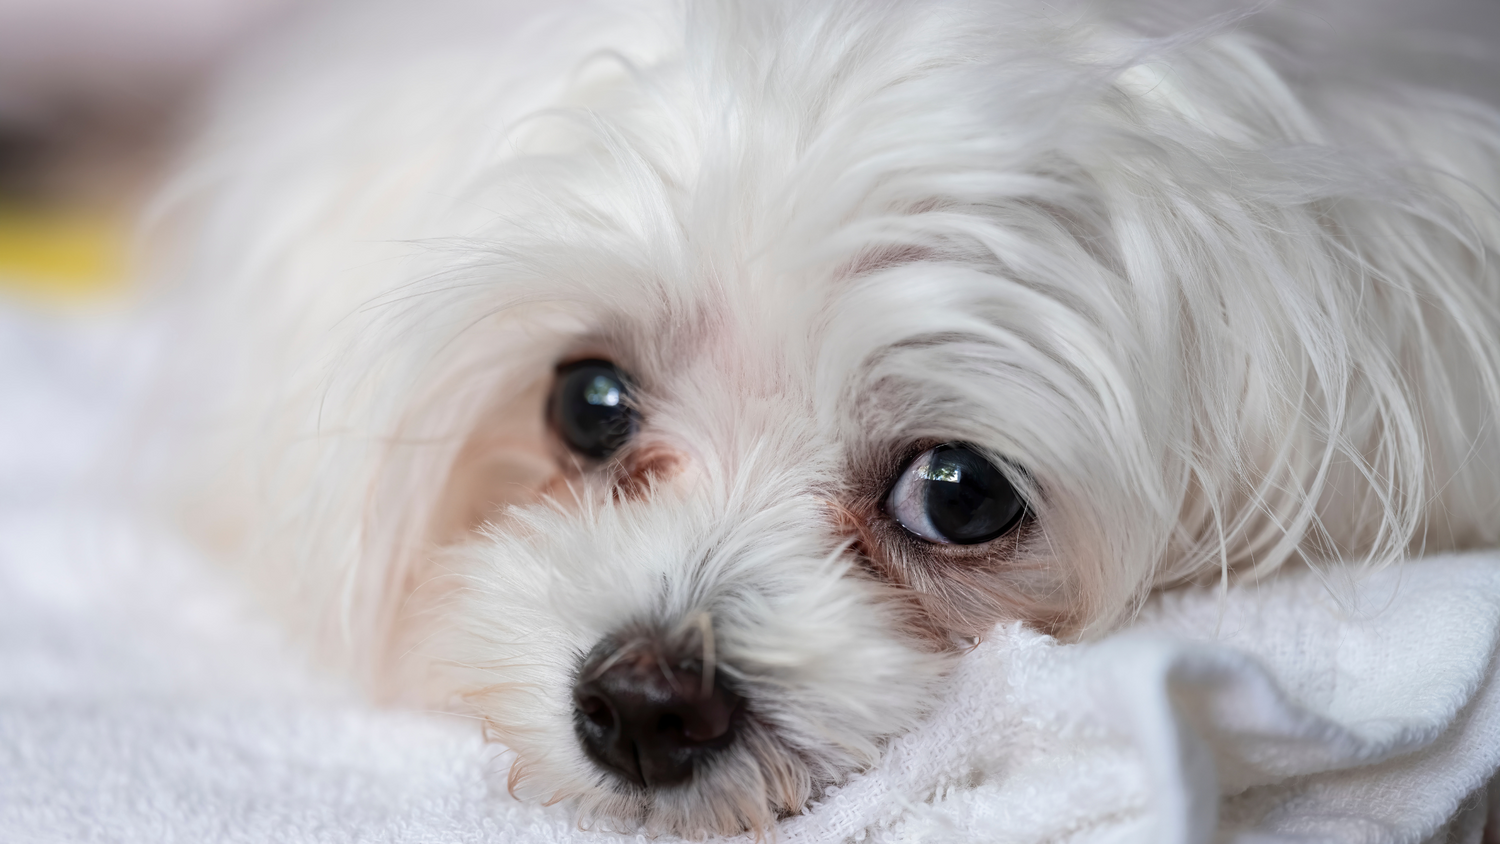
<point>651,719</point>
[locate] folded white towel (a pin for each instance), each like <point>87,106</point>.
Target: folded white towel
<point>1299,722</point>
<point>141,701</point>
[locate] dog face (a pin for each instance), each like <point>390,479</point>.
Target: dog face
<point>749,572</point>
<point>683,389</point>
<point>762,438</point>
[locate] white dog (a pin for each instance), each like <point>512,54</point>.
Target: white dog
<point>680,385</point>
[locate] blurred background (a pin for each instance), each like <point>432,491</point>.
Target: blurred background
<point>93,92</point>
<point>91,95</point>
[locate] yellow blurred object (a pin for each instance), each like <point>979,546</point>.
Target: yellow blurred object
<point>61,254</point>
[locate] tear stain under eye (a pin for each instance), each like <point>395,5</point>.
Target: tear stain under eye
<point>862,543</point>
<point>869,554</point>
<point>639,469</point>
<point>952,593</point>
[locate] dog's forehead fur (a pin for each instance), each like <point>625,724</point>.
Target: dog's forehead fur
<point>767,235</point>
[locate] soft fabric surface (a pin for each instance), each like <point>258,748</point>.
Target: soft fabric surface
<point>142,700</point>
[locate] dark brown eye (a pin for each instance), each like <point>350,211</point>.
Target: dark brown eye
<point>591,408</point>
<point>953,495</point>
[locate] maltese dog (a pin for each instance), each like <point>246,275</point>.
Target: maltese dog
<point>681,386</point>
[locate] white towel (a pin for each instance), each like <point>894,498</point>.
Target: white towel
<point>142,701</point>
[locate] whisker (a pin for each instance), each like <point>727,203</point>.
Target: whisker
<point>706,628</point>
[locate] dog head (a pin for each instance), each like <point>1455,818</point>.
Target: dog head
<point>763,460</point>
<point>683,393</point>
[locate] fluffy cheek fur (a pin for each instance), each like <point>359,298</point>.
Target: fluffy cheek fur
<point>818,652</point>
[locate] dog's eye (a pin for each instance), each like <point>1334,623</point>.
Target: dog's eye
<point>591,408</point>
<point>952,495</point>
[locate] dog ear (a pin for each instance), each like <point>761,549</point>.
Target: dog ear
<point>1332,283</point>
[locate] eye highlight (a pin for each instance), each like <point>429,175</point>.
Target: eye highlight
<point>591,408</point>
<point>953,495</point>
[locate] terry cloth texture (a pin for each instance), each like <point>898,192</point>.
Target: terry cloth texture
<point>142,701</point>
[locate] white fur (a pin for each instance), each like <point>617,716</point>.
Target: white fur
<point>1226,306</point>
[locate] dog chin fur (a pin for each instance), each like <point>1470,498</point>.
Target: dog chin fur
<point>1221,305</point>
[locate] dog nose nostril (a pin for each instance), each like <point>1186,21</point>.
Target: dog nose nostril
<point>648,726</point>
<point>597,711</point>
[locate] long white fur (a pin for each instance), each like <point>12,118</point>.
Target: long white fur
<point>1228,307</point>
